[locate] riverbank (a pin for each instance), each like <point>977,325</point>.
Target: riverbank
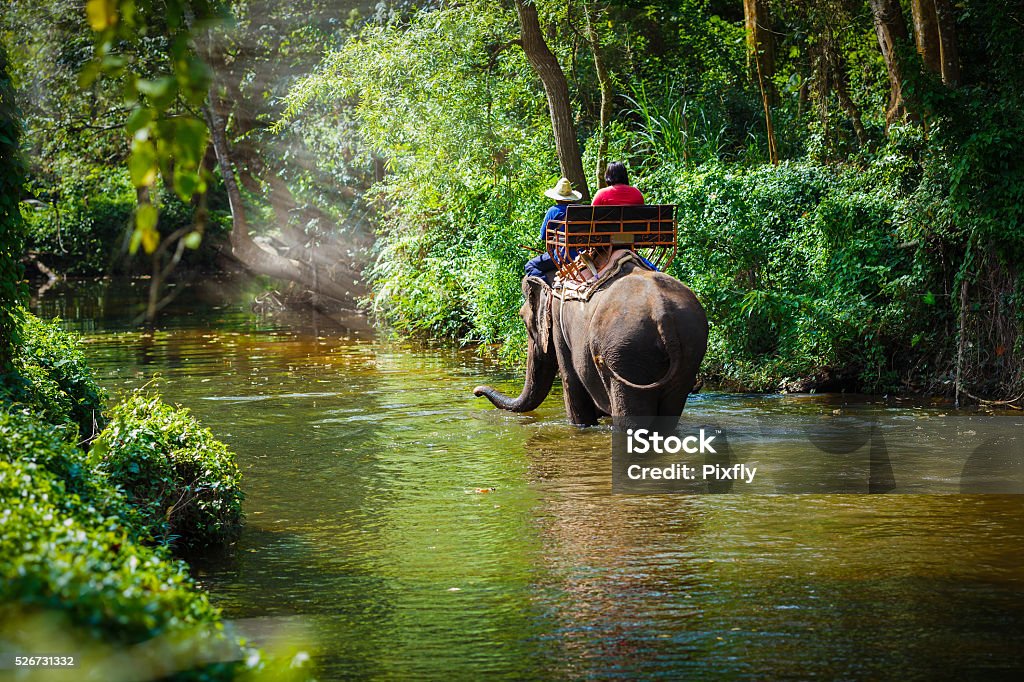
<point>123,299</point>
<point>815,277</point>
<point>99,501</point>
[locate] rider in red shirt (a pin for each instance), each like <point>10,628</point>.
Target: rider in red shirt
<point>618,192</point>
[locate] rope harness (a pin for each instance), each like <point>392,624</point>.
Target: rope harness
<point>583,291</point>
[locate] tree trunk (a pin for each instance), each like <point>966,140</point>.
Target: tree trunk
<point>946,20</point>
<point>891,28</point>
<point>761,61</point>
<point>251,254</point>
<point>760,40</point>
<point>604,80</point>
<point>848,105</point>
<point>556,88</point>
<point>834,65</point>
<point>926,34</point>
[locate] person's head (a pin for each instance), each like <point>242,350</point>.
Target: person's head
<point>563,192</point>
<point>615,174</point>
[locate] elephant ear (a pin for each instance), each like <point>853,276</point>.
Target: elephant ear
<point>538,293</point>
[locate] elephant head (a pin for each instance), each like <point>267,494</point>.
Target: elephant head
<point>542,363</point>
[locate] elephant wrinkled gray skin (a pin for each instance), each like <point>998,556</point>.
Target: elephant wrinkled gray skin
<point>632,350</point>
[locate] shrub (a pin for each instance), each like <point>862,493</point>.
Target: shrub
<point>87,564</point>
<point>78,229</point>
<point>50,376</point>
<point>183,481</point>
<point>38,448</point>
<point>78,574</point>
<point>801,269</point>
<point>80,221</point>
<point>66,550</point>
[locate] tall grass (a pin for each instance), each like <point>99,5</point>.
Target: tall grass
<point>675,128</point>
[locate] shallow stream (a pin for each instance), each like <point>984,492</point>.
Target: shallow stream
<point>368,535</point>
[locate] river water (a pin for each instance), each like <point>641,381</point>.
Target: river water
<point>373,535</point>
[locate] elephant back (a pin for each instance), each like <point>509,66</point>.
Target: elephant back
<point>648,329</point>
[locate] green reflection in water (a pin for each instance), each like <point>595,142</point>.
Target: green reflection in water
<point>364,463</point>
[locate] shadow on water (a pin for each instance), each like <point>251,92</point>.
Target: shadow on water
<point>413,531</point>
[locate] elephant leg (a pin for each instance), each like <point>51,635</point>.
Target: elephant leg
<point>670,407</point>
<point>579,406</point>
<point>672,402</point>
<point>633,408</point>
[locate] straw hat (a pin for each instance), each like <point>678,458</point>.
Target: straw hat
<point>563,191</point>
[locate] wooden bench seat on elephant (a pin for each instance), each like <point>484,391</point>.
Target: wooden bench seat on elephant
<point>590,232</point>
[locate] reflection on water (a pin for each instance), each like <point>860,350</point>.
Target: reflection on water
<point>365,463</point>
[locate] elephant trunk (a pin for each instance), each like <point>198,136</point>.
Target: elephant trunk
<point>540,375</point>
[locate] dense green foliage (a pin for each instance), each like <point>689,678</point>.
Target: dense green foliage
<point>79,551</point>
<point>80,232</point>
<point>81,200</point>
<point>11,290</point>
<point>878,256</point>
<point>82,561</point>
<point>67,546</point>
<point>460,182</point>
<point>183,481</point>
<point>78,571</point>
<point>162,83</point>
<point>86,568</point>
<point>803,268</point>
<point>51,378</point>
<point>40,448</point>
<point>82,225</point>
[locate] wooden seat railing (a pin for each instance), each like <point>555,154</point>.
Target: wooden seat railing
<point>589,233</point>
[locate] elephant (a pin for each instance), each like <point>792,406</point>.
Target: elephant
<point>631,349</point>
